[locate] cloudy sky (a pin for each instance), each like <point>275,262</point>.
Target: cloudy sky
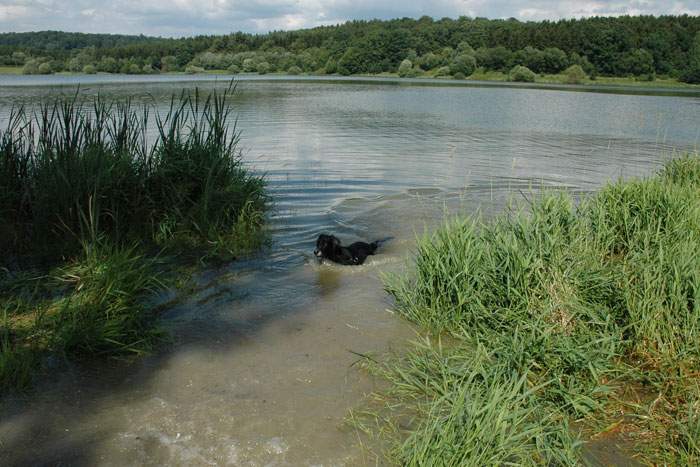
<point>190,17</point>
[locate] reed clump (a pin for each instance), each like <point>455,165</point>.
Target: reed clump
<point>74,169</point>
<point>92,193</point>
<point>573,300</point>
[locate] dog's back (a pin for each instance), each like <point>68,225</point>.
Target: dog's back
<point>329,247</point>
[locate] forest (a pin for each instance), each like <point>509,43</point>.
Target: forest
<point>629,46</point>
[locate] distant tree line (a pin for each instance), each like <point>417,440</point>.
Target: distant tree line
<point>641,46</point>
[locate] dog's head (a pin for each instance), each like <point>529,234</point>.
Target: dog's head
<point>326,246</point>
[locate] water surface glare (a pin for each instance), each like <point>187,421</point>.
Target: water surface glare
<point>261,368</point>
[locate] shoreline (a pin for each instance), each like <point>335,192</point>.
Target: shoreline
<point>611,85</point>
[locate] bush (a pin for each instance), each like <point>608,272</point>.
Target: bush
<point>168,64</point>
<point>192,69</point>
<point>331,67</point>
<point>465,64</point>
<point>249,65</point>
<point>443,71</point>
<point>521,74</point>
<point>459,75</point>
<point>45,69</point>
<point>108,65</point>
<point>89,69</point>
<point>294,70</point>
<point>134,69</point>
<point>234,69</point>
<point>429,61</point>
<point>148,69</point>
<point>575,74</point>
<point>405,68</point>
<point>31,67</point>
<point>263,68</point>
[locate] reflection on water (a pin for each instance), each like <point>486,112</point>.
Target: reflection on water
<point>261,368</point>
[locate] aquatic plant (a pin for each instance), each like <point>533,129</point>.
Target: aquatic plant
<point>87,198</point>
<point>76,169</point>
<point>576,299</point>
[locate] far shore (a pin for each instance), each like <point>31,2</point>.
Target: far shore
<point>613,85</point>
<point>601,83</point>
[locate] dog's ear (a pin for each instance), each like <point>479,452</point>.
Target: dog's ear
<point>334,241</point>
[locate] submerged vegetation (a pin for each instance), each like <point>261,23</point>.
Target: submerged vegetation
<point>560,312</point>
<point>90,203</point>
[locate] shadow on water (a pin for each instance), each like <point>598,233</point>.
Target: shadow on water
<point>80,415</point>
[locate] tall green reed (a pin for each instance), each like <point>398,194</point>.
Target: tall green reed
<point>74,168</point>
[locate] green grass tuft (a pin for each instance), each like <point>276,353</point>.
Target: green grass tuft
<point>104,310</point>
<point>570,302</point>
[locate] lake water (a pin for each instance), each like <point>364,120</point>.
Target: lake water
<point>260,371</point>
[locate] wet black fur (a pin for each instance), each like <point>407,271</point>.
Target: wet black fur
<point>329,247</point>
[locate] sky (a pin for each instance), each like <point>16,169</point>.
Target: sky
<point>175,18</point>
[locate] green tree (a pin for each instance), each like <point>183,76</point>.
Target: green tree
<point>169,64</point>
<point>351,62</point>
<point>464,48</point>
<point>555,60</point>
<point>586,66</point>
<point>530,57</point>
<point>19,58</point>
<point>465,64</point>
<point>429,61</point>
<point>108,65</point>
<point>494,58</point>
<point>692,73</point>
<point>638,62</point>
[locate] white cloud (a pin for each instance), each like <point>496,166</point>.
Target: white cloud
<point>12,12</point>
<point>187,17</point>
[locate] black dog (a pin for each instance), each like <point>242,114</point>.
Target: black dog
<point>329,247</point>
